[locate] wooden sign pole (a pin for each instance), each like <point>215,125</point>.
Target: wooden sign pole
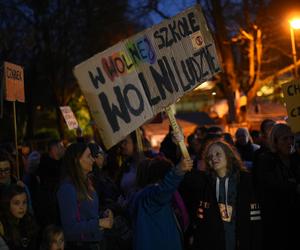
<point>140,147</point>
<point>16,140</point>
<point>176,129</point>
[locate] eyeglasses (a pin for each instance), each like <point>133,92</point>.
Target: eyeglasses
<point>4,170</point>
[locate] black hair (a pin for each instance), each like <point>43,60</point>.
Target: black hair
<point>228,138</point>
<point>265,124</point>
<point>201,129</point>
<point>191,138</point>
<point>214,130</point>
<point>151,171</point>
<point>48,234</point>
<point>52,143</point>
<point>95,149</point>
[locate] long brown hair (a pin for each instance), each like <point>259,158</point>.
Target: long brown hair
<point>72,170</point>
<point>233,158</point>
<point>25,227</point>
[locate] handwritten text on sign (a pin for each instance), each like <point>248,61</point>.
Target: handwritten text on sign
<point>14,82</point>
<point>291,91</point>
<point>131,82</point>
<point>69,117</point>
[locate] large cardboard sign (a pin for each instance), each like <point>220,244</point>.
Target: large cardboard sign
<point>291,92</point>
<point>69,117</point>
<point>132,81</point>
<point>14,82</point>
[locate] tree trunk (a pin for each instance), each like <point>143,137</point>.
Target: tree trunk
<point>230,96</point>
<point>225,46</point>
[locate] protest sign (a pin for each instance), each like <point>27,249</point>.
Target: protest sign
<point>14,82</point>
<point>14,91</point>
<point>131,82</point>
<point>69,117</point>
<point>291,92</point>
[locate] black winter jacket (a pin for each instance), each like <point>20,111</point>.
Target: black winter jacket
<point>199,191</point>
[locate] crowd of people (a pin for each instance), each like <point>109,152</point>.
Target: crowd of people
<point>233,193</point>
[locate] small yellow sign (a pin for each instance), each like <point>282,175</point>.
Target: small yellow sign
<point>291,92</point>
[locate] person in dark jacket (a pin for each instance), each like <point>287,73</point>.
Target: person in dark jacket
<point>119,237</point>
<point>245,146</point>
<point>265,129</point>
<point>48,173</point>
<point>279,189</point>
<point>223,209</point>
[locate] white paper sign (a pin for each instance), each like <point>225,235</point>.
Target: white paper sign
<point>69,117</point>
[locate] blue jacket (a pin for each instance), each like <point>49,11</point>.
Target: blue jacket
<point>155,225</point>
<point>80,219</point>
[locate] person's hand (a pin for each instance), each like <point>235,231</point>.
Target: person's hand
<point>108,220</point>
<point>106,223</point>
<point>186,164</point>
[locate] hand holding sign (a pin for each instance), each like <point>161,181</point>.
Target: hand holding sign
<point>186,165</point>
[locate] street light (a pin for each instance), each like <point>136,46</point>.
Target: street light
<point>294,24</point>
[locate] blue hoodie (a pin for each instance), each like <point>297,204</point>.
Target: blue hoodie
<point>155,225</point>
